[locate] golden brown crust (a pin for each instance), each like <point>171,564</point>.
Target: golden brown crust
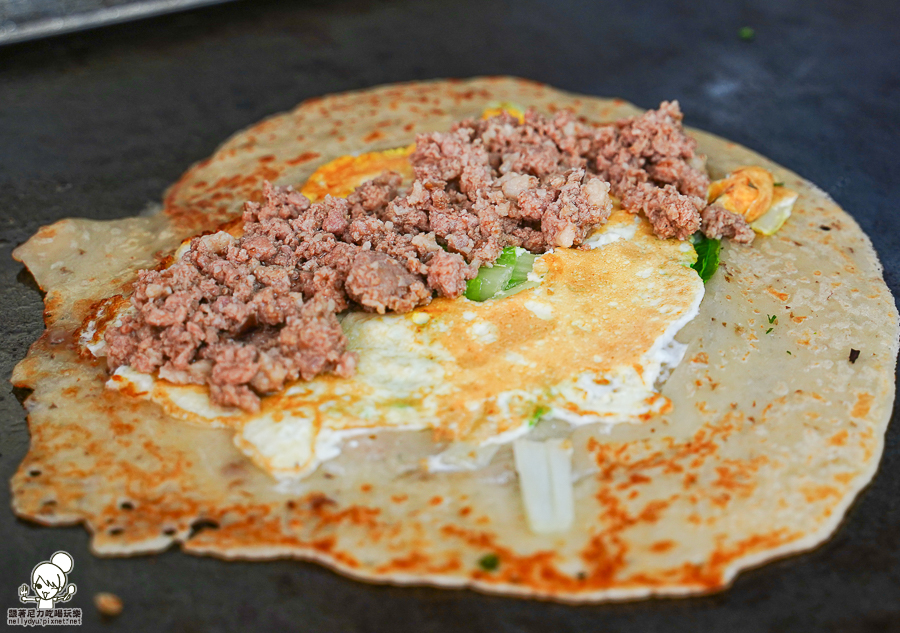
<point>778,425</point>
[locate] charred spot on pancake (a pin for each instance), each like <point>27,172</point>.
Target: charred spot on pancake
<point>202,524</point>
<point>319,501</point>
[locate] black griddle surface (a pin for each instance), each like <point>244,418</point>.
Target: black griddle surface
<point>97,124</point>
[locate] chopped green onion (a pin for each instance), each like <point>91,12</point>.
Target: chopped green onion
<point>509,272</point>
<point>490,281</point>
<point>746,33</point>
<point>515,290</point>
<point>537,415</point>
<point>545,482</point>
<point>707,256</point>
<point>524,265</point>
<point>507,257</point>
<point>489,562</point>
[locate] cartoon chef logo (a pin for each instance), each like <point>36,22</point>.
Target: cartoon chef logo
<point>50,582</point>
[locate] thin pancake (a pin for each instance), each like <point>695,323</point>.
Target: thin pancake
<point>770,437</point>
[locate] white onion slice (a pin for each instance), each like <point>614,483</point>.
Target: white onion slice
<point>545,481</point>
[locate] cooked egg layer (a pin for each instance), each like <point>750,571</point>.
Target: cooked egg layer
<point>587,345</point>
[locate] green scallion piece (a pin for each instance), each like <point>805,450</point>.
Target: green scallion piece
<point>489,562</point>
<point>524,265</point>
<point>509,272</point>
<point>490,281</point>
<point>537,415</point>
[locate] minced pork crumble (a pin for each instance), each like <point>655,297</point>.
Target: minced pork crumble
<point>246,315</point>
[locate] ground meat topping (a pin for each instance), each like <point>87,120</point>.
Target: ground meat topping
<point>653,168</point>
<point>493,183</point>
<point>246,315</point>
<point>381,283</point>
<point>717,222</point>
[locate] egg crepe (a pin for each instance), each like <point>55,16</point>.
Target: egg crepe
<point>770,434</point>
<point>587,344</point>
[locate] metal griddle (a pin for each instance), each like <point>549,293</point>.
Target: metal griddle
<point>22,20</point>
<point>97,124</point>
